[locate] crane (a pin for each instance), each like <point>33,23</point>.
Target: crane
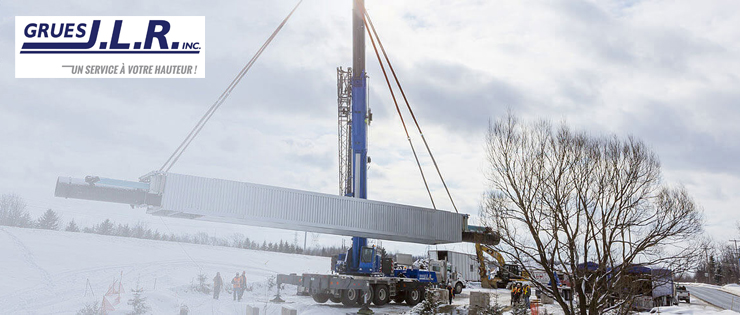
<point>361,271</point>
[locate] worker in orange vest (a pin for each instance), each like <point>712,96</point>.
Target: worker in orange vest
<point>237,285</point>
<point>242,284</point>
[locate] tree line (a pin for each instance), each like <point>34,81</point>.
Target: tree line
<point>13,212</point>
<point>718,263</point>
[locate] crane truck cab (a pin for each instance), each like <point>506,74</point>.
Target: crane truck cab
<point>369,262</point>
<point>446,276</point>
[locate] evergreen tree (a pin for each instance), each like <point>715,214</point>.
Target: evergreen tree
<point>49,221</point>
<point>123,230</point>
<point>72,227</point>
<point>105,227</point>
<point>90,309</point>
<point>138,302</point>
<point>138,231</point>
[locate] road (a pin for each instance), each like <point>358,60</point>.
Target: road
<point>715,297</point>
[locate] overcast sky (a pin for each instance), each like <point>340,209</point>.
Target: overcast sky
<point>663,71</point>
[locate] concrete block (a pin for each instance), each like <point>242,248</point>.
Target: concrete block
<point>288,311</point>
<point>479,301</point>
<point>440,295</point>
<point>253,310</point>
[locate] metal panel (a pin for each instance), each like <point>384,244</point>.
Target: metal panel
<point>105,189</point>
<point>466,264</point>
<point>261,205</point>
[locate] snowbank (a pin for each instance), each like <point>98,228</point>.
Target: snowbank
<point>688,310</point>
<point>732,288</point>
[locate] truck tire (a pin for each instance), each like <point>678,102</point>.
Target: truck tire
<point>320,297</point>
<point>382,295</point>
<point>370,295</point>
<point>414,296</point>
<point>458,288</point>
<point>335,299</point>
<point>350,297</point>
<point>400,297</point>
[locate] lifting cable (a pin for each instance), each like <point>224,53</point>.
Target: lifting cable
<point>207,116</point>
<point>368,20</point>
<point>398,109</point>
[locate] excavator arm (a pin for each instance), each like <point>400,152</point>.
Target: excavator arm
<point>482,270</point>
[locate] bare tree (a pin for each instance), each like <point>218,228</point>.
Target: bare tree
<point>13,211</point>
<point>584,209</point>
<point>728,264</point>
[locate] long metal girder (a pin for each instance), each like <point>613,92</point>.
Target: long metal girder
<point>193,197</point>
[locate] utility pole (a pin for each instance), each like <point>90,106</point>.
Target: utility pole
<point>707,267</point>
<point>737,258</point>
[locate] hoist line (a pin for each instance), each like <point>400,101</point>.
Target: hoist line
<point>222,98</point>
<point>398,109</point>
<point>426,144</point>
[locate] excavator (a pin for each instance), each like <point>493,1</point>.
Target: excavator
<point>506,272</point>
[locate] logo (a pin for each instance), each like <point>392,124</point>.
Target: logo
<point>110,47</point>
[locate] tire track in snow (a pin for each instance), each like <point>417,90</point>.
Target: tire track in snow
<point>28,256</point>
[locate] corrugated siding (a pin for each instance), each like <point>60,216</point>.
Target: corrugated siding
<point>464,263</point>
<point>260,205</point>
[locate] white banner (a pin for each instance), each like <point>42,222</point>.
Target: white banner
<point>110,46</point>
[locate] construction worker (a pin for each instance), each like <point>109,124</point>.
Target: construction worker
<point>513,293</point>
<point>450,293</point>
<point>517,293</point>
<point>217,284</point>
<point>526,293</point>
<point>243,283</point>
<point>236,284</point>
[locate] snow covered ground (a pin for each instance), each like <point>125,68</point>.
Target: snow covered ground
<point>696,307</point>
<point>54,272</point>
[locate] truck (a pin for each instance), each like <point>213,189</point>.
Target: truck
<point>463,264</point>
<point>374,279</point>
<point>654,283</point>
<point>400,279</point>
<point>682,294</point>
<point>459,268</point>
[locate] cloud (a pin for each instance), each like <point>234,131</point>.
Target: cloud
<point>664,71</point>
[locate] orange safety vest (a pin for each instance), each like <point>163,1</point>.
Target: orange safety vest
<point>237,282</point>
